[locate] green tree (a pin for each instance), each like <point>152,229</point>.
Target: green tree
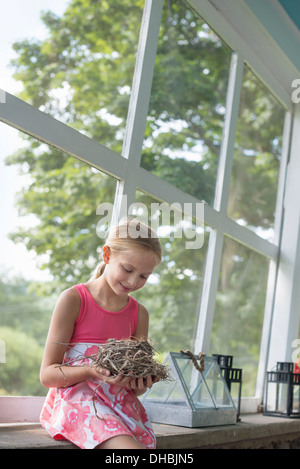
<point>20,373</point>
<point>98,70</point>
<point>25,320</point>
<point>257,155</point>
<point>90,54</point>
<point>64,194</point>
<point>22,310</point>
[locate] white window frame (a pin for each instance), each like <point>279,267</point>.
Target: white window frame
<point>237,25</point>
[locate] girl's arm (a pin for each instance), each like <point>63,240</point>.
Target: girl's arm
<point>60,333</point>
<point>142,327</point>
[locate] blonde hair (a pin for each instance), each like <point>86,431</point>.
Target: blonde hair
<point>130,233</point>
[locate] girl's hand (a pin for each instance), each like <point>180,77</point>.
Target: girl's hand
<point>103,374</point>
<point>120,380</point>
<point>99,373</point>
<point>140,385</point>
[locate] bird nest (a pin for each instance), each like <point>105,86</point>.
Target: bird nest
<point>132,357</point>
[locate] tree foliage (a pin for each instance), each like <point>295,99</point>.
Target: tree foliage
<point>20,373</point>
<point>82,74</point>
<point>25,320</point>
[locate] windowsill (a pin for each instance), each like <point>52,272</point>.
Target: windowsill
<point>253,431</point>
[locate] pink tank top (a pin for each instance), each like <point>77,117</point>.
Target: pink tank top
<point>95,324</point>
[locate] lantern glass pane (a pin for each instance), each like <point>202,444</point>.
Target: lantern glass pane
<point>296,399</point>
<point>277,395</point>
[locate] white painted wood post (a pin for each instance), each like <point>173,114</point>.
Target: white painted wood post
<point>286,313</point>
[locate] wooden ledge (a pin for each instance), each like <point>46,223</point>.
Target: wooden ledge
<point>253,432</point>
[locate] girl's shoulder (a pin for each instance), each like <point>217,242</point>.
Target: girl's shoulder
<point>67,308</point>
<point>70,299</point>
<point>142,310</point>
<point>70,294</point>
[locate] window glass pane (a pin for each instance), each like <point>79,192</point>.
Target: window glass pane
<point>78,65</point>
<point>239,310</point>
<point>254,182</point>
<point>50,240</point>
<point>187,106</point>
<point>173,292</point>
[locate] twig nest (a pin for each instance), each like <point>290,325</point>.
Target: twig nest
<point>134,358</point>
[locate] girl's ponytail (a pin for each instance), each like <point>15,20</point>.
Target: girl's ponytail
<point>99,270</point>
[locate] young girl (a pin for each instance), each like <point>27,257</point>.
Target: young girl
<point>85,316</point>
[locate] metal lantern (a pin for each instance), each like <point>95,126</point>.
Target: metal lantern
<point>232,376</point>
<point>192,398</point>
<point>282,391</point>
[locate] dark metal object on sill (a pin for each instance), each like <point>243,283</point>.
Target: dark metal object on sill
<point>282,391</point>
<point>232,376</point>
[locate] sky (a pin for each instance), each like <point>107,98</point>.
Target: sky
<point>19,20</point>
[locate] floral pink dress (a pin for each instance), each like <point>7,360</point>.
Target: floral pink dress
<point>88,414</point>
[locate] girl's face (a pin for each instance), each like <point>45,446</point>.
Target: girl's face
<point>128,271</point>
